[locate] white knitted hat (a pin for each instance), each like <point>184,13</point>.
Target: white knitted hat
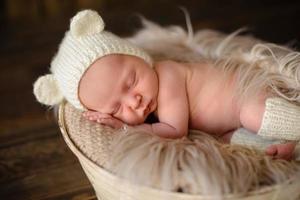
<point>82,45</point>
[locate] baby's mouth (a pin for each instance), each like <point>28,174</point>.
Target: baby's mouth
<point>148,108</point>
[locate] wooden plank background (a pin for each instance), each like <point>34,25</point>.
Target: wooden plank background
<point>34,160</point>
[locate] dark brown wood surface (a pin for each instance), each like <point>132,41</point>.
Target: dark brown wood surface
<point>35,163</point>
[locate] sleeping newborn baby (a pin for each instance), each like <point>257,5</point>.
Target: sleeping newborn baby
<point>117,84</point>
<point>181,95</point>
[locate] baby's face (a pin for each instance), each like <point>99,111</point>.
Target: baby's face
<point>124,86</point>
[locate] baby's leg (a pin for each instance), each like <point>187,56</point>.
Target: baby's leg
<point>251,112</point>
<point>272,147</point>
<point>272,118</point>
<point>226,137</point>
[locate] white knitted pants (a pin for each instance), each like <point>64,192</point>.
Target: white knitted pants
<point>281,120</point>
<point>247,138</point>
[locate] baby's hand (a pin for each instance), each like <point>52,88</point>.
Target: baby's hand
<point>102,118</point>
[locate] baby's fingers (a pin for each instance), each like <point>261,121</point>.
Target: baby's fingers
<point>112,122</point>
<point>87,113</point>
<point>90,116</point>
<point>102,118</point>
<point>94,115</point>
<point>106,121</point>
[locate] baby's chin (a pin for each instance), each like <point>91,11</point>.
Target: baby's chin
<point>136,121</point>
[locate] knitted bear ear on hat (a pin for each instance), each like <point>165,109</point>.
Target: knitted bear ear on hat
<point>46,91</point>
<point>86,22</point>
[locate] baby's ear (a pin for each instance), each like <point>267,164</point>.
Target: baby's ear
<point>46,90</point>
<point>86,22</point>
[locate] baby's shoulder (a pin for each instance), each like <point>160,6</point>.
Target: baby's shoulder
<point>172,81</point>
<point>169,70</point>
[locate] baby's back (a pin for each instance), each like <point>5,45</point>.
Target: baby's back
<point>212,107</point>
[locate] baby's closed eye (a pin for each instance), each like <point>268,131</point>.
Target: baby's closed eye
<point>131,80</point>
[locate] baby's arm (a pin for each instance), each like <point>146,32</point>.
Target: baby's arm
<point>173,106</point>
<point>173,114</point>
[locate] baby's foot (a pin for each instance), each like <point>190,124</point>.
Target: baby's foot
<point>282,151</point>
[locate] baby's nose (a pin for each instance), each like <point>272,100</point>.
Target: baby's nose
<point>135,101</point>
